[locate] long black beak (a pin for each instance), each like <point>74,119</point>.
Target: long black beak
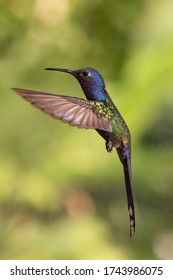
<point>61,70</point>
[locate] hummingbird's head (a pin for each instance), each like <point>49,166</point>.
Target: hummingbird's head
<point>90,80</point>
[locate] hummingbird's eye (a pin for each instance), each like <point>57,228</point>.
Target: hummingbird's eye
<point>85,73</point>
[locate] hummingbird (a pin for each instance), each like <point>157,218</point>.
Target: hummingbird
<point>97,112</point>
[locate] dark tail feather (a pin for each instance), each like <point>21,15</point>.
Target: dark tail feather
<point>124,155</point>
<point>128,181</point>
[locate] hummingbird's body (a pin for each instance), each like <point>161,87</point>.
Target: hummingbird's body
<point>97,112</point>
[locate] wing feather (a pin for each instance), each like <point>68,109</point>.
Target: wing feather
<point>75,111</point>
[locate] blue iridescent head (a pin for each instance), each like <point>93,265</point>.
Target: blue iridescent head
<point>90,80</point>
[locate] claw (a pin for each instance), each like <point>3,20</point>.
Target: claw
<point>109,146</point>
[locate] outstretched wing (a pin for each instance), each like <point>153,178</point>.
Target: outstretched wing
<point>75,111</point>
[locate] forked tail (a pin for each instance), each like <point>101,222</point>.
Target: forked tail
<point>125,157</point>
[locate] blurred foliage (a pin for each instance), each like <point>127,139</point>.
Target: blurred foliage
<point>61,195</point>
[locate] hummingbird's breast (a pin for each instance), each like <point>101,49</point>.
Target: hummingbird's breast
<point>120,131</point>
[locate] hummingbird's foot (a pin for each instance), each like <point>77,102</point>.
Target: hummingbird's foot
<point>109,146</point>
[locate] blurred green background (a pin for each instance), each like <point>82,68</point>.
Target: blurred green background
<point>62,196</point>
